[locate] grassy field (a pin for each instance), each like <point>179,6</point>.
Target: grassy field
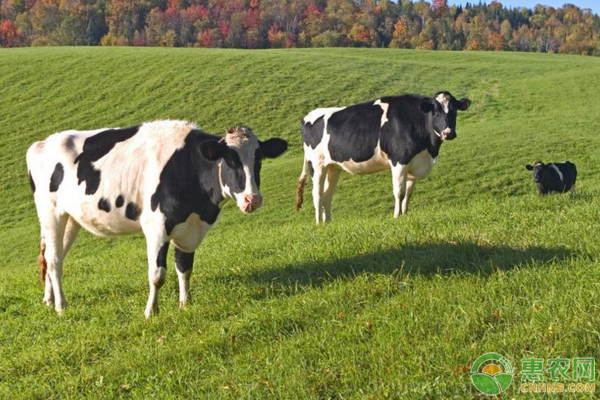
<point>367,307</point>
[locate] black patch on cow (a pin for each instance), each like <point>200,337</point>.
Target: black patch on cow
<point>161,258</point>
<point>119,202</point>
<point>69,142</point>
<point>94,148</point>
<point>258,156</point>
<point>232,172</point>
<point>313,133</point>
<point>31,182</point>
<point>57,177</point>
<point>104,205</point>
<point>354,132</point>
<point>183,261</point>
<point>189,183</point>
<point>311,169</point>
<point>132,211</point>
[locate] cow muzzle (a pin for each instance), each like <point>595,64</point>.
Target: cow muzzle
<point>447,134</point>
<point>251,202</point>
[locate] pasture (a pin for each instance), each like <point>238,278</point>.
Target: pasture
<point>366,307</point>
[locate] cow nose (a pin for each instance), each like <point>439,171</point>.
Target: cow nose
<point>447,134</point>
<point>252,202</point>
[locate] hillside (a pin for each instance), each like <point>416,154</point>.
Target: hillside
<point>366,307</point>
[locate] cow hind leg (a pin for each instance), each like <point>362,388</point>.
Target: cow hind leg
<point>399,178</point>
<point>71,230</point>
<point>318,180</point>
<point>52,255</point>
<point>184,263</point>
<point>332,179</point>
<point>157,271</point>
<point>410,185</point>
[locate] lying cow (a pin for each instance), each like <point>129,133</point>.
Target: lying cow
<point>167,179</point>
<point>401,133</point>
<point>554,177</point>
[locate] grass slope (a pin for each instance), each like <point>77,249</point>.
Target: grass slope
<point>366,307</point>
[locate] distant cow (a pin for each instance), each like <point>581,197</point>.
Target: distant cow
<point>401,133</point>
<point>167,179</point>
<point>554,177</point>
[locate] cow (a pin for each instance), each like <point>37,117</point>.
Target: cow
<point>553,177</point>
<point>402,133</point>
<point>166,179</point>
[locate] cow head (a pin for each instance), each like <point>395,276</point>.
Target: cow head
<point>443,108</point>
<point>240,155</point>
<point>539,170</point>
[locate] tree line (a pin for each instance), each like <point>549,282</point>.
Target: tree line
<point>260,24</point>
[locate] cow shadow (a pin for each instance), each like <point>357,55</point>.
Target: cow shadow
<point>428,259</point>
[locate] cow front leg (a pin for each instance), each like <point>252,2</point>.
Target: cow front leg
<point>157,271</point>
<point>333,177</point>
<point>399,177</point>
<point>410,185</point>
<point>318,180</point>
<point>184,263</point>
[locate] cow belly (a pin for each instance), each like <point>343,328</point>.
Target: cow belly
<point>99,222</point>
<point>379,162</point>
<point>102,225</point>
<point>421,164</point>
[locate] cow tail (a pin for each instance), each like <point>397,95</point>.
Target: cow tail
<point>42,260</point>
<point>301,184</point>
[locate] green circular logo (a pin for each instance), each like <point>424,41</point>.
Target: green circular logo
<point>491,374</point>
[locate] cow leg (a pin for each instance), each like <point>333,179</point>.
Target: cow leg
<point>399,178</point>
<point>333,176</point>
<point>53,230</point>
<point>317,189</point>
<point>157,270</point>
<point>71,232</point>
<point>184,263</point>
<point>410,185</point>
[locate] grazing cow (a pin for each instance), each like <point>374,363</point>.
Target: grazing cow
<point>401,133</point>
<point>167,179</point>
<point>554,177</point>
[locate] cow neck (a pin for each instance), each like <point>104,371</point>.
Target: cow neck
<point>435,139</point>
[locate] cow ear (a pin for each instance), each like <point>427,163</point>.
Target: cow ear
<point>273,148</point>
<point>464,104</point>
<point>427,105</point>
<point>213,150</point>
<point>529,167</point>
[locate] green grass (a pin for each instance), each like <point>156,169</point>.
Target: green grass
<point>367,307</point>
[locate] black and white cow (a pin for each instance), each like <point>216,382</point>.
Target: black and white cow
<point>553,177</point>
<point>167,179</point>
<point>401,133</point>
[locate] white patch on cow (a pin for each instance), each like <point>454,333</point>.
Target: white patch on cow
<point>560,175</point>
<point>379,162</point>
<point>188,235</point>
<point>384,107</point>
<point>421,165</point>
<point>444,101</point>
<point>317,113</point>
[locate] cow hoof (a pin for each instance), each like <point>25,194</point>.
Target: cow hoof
<point>150,312</point>
<point>48,302</point>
